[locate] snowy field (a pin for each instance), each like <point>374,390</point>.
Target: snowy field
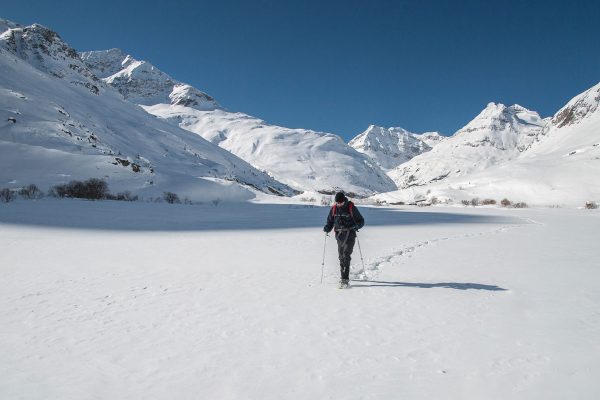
<point>112,300</point>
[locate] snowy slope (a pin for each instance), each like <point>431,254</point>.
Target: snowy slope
<point>301,158</point>
<point>561,166</point>
<point>390,147</point>
<point>462,304</point>
<point>498,134</point>
<point>58,122</point>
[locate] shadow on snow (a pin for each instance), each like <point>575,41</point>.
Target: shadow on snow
<point>447,285</point>
<point>138,216</point>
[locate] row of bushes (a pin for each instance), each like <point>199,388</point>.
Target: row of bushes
<point>486,202</point>
<point>91,189</point>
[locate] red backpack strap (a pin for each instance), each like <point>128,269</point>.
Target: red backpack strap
<point>334,209</point>
<point>350,208</point>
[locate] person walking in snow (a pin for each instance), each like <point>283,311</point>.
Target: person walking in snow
<point>345,219</point>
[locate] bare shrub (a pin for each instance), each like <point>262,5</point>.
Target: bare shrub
<point>7,195</point>
<point>379,202</point>
<point>92,189</point>
<point>506,202</point>
<point>308,199</point>
<point>31,192</point>
<point>465,203</point>
<point>122,196</point>
<point>325,201</point>
<point>487,202</point>
<point>590,205</point>
<point>475,202</point>
<point>520,205</point>
<point>434,201</point>
<point>216,202</point>
<point>171,198</point>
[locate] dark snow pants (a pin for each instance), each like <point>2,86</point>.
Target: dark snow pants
<point>345,242</point>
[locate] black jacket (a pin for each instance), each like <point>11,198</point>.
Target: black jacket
<point>346,218</point>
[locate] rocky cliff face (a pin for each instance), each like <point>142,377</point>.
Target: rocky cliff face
<point>142,83</point>
<point>43,49</point>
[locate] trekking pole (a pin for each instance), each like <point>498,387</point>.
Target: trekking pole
<point>361,258</point>
<point>323,263</point>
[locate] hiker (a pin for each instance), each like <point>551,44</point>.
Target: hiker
<point>345,219</point>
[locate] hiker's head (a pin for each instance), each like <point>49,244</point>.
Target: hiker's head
<point>340,197</point>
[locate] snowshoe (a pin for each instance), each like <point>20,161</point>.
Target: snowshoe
<point>344,284</point>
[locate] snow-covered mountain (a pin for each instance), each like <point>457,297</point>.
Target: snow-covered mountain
<point>301,158</point>
<point>59,121</point>
<point>498,134</point>
<point>573,127</point>
<point>560,166</point>
<point>390,147</point>
<point>142,83</point>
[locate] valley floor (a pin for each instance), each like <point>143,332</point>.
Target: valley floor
<point>111,300</point>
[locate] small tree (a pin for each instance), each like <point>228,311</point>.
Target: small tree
<point>465,202</point>
<point>506,202</point>
<point>7,195</point>
<point>520,205</point>
<point>590,205</point>
<point>488,202</point>
<point>475,202</point>
<point>30,192</point>
<point>171,198</point>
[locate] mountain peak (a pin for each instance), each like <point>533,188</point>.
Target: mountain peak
<point>6,25</point>
<point>389,147</point>
<point>142,83</point>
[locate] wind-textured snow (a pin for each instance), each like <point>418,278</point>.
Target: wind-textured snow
<point>59,121</point>
<point>163,302</point>
<point>302,158</point>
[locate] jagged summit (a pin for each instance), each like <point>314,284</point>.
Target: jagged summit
<point>390,147</point>
<point>44,49</point>
<point>142,83</point>
<point>6,25</point>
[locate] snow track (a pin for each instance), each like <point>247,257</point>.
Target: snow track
<point>105,300</point>
<point>398,256</point>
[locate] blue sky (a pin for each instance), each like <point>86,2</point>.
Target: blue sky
<point>339,66</point>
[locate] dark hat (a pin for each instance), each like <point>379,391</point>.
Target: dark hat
<point>340,197</point>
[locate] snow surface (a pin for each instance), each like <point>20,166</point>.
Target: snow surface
<point>104,300</point>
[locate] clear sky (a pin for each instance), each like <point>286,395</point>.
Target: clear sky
<point>339,66</point>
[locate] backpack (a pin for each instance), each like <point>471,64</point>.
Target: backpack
<point>350,208</point>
